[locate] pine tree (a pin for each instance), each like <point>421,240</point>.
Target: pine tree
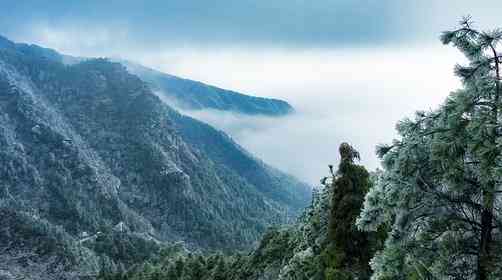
<point>348,250</point>
<point>440,186</point>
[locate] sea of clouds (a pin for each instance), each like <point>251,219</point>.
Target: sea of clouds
<point>354,96</point>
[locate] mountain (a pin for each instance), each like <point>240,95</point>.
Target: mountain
<point>191,95</point>
<point>324,242</point>
<point>286,253</point>
<point>96,171</point>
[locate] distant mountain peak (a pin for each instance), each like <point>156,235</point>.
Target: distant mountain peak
<point>193,95</point>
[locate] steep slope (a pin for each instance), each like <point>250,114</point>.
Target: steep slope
<point>87,150</point>
<point>191,95</point>
<point>324,243</point>
<point>288,253</point>
<point>223,150</point>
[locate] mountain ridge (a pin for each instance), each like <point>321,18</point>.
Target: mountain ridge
<point>88,148</point>
<point>188,94</point>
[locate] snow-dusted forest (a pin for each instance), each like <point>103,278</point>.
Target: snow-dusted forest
<point>113,169</point>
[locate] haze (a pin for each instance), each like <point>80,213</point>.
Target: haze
<point>352,69</point>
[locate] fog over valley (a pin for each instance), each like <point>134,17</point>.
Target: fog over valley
<point>347,95</point>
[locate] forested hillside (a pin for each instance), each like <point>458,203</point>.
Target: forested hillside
<point>323,244</point>
<point>97,172</point>
<point>192,95</point>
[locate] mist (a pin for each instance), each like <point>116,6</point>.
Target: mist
<point>354,96</point>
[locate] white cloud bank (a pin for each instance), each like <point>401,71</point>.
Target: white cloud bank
<point>347,95</point>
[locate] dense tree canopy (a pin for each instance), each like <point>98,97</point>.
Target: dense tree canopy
<point>440,187</point>
<point>347,251</point>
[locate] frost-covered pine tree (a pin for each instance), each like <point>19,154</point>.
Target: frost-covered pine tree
<point>347,250</point>
<point>440,190</point>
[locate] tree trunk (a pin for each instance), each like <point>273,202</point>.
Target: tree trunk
<point>483,265</point>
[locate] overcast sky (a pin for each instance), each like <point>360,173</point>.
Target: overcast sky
<point>352,68</point>
<point>149,25</point>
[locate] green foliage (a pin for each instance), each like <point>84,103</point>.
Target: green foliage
<point>439,191</point>
<point>182,265</point>
<point>324,243</point>
<point>348,250</point>
<point>39,241</point>
<point>127,248</point>
<point>88,146</point>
